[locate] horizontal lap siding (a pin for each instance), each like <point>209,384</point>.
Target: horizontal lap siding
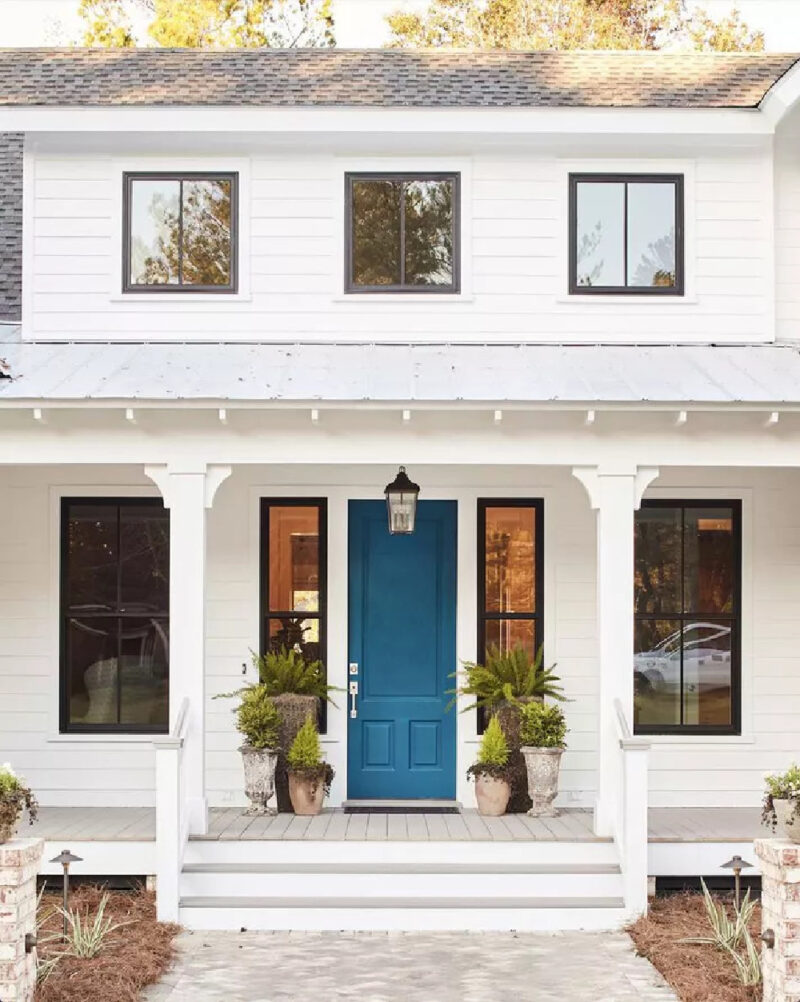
<point>787,231</point>
<point>514,241</point>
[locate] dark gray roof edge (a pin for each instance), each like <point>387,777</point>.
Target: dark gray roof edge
<point>11,144</point>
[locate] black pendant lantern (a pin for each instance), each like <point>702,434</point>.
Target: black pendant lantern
<point>401,503</point>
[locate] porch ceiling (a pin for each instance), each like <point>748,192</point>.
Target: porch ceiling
<point>454,374</point>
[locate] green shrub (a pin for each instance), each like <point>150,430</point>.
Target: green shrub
<point>493,752</point>
<point>286,670</point>
<point>542,726</point>
<point>782,786</point>
<point>509,676</point>
<point>257,717</point>
<point>306,751</point>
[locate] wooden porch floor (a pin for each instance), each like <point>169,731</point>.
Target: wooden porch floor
<point>137,824</point>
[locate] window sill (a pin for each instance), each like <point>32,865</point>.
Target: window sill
<point>404,297</point>
<point>693,740</point>
<point>180,297</point>
<point>618,300</point>
<point>94,739</point>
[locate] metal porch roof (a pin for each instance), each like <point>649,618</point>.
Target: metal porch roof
<point>386,373</point>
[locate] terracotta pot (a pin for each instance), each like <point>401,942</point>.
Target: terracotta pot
<point>492,794</point>
<point>9,818</point>
<point>259,777</point>
<point>542,765</point>
<point>293,708</point>
<point>306,792</point>
<point>788,814</point>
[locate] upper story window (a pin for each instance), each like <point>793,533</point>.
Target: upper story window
<point>687,616</point>
<point>402,232</point>
<point>179,233</point>
<point>114,615</point>
<point>626,234</point>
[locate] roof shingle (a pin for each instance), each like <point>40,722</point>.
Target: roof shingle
<point>387,78</point>
<point>10,225</point>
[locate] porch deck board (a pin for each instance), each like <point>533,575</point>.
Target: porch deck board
<point>137,824</point>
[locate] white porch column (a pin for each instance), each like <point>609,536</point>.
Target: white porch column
<point>615,493</point>
<point>188,492</point>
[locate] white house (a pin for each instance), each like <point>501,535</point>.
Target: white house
<point>239,290</point>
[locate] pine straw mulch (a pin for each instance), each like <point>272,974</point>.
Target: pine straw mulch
<point>698,973</point>
<point>132,958</point>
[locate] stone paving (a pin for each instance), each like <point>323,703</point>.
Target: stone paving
<point>396,967</point>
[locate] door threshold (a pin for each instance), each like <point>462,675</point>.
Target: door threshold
<point>401,807</point>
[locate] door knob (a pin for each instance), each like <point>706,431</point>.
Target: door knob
<point>353,690</point>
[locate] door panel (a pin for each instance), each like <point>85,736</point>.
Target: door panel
<point>402,636</point>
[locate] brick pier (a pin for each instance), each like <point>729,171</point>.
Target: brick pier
<point>19,866</point>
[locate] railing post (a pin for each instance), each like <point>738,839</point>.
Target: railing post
<point>169,850</point>
<point>635,754</point>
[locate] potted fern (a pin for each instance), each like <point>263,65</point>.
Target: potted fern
<point>502,685</point>
<point>492,789</point>
<point>782,802</point>
<point>15,795</point>
<point>309,776</point>
<point>542,731</point>
<point>298,688</point>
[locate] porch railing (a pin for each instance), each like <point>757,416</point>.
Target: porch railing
<point>172,815</point>
<point>630,818</point>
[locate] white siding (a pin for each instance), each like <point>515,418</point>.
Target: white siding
<point>514,253</point>
<point>787,227</point>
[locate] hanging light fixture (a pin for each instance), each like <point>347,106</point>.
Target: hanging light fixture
<point>401,503</point>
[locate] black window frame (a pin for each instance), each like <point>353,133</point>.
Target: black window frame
<point>677,180</point>
<point>537,616</point>
<point>265,613</point>
<point>350,287</point>
<point>735,618</point>
<point>65,726</point>
<point>128,178</point>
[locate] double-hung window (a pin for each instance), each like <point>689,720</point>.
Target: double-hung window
<point>114,615</point>
<point>687,617</point>
<point>626,234</point>
<point>180,232</point>
<point>402,233</point>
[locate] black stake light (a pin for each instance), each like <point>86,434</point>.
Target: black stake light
<point>64,858</point>
<point>737,864</point>
<point>401,503</point>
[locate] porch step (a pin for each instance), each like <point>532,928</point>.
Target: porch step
<point>401,886</point>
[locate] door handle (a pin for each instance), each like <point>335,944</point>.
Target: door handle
<point>353,690</point>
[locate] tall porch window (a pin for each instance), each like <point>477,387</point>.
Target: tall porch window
<point>510,574</point>
<point>687,617</point>
<point>114,615</point>
<point>293,578</point>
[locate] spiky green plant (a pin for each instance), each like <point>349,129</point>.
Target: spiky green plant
<point>542,725</point>
<point>493,752</point>
<point>732,936</point>
<point>286,671</point>
<point>508,676</point>
<point>86,936</point>
<point>306,751</point>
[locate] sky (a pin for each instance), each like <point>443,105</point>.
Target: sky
<point>361,22</point>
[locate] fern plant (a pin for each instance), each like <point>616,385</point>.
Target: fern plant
<point>508,676</point>
<point>285,670</point>
<point>493,752</point>
<point>542,726</point>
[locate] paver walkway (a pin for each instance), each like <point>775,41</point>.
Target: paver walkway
<point>400,967</point>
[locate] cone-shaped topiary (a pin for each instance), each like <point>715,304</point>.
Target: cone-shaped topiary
<point>257,718</point>
<point>493,752</point>
<point>306,751</point>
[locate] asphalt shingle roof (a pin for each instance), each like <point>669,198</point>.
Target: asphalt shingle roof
<point>10,225</point>
<point>387,78</point>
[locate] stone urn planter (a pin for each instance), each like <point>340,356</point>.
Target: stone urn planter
<point>787,813</point>
<point>259,777</point>
<point>492,793</point>
<point>308,787</point>
<point>542,766</point>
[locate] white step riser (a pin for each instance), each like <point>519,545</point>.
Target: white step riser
<point>401,884</point>
<point>471,854</point>
<point>404,920</point>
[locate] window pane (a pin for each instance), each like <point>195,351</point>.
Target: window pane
<point>144,671</point>
<point>600,251</point>
<point>510,559</point>
<point>707,674</point>
<point>657,672</point>
<point>91,573</point>
<point>429,232</point>
<point>206,232</point>
<point>708,560</point>
<point>506,634</point>
<point>297,633</point>
<point>155,229</point>
<point>144,558</point>
<point>376,232</point>
<point>91,670</point>
<point>293,558</point>
<point>651,234</point>
<point>657,560</point>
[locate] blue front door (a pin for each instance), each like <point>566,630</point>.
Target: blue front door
<point>402,625</point>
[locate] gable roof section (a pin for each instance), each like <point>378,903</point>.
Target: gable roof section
<point>387,78</point>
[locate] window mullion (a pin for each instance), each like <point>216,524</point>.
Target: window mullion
<point>119,610</point>
<point>180,232</point>
<point>625,236</point>
<point>403,234</point>
<point>683,605</point>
